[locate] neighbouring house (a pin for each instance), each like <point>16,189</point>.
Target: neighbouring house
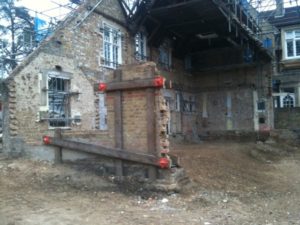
<point>98,78</point>
<point>286,79</point>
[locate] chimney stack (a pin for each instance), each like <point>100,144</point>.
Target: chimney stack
<point>279,12</point>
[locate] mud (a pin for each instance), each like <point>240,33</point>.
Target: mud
<point>231,185</point>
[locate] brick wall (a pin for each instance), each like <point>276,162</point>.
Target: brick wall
<point>135,119</point>
<point>25,95</point>
<point>134,112</point>
<point>229,93</point>
<point>78,50</point>
<point>287,118</point>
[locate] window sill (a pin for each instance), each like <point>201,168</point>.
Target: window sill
<point>109,67</point>
<point>62,128</point>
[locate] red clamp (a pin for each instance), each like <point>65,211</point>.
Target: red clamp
<point>159,81</point>
<point>102,87</point>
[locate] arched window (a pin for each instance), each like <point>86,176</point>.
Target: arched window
<point>288,101</point>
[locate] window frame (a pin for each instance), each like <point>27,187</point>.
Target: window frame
<point>292,38</point>
<point>290,103</point>
<point>166,49</point>
<point>261,105</point>
<point>178,101</point>
<point>140,41</point>
<point>67,84</point>
<point>43,86</point>
<point>111,30</point>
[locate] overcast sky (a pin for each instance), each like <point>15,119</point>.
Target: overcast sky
<point>46,7</point>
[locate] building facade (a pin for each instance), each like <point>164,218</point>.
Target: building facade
<point>217,78</point>
<point>286,79</point>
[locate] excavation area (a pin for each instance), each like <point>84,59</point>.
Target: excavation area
<point>231,183</point>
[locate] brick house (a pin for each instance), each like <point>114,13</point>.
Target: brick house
<point>286,86</point>
<point>217,78</point>
<point>287,74</point>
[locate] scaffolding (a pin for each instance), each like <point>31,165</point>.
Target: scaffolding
<point>250,15</point>
<point>31,38</point>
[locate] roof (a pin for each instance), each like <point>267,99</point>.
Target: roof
<point>291,17</point>
<point>196,25</point>
<point>62,25</point>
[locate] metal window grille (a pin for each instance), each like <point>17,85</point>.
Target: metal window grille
<point>58,97</point>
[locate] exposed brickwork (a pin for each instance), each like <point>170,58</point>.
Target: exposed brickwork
<point>135,120</point>
<point>139,71</point>
<point>78,50</point>
<point>134,107</point>
<point>239,84</point>
<point>164,117</point>
<point>217,100</point>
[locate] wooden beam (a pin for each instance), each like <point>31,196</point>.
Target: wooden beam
<point>58,150</point>
<point>132,84</point>
<point>184,23</point>
<point>174,6</point>
<point>116,153</point>
<point>151,121</point>
<point>118,113</point>
<point>151,129</point>
<point>154,31</point>
<point>118,109</point>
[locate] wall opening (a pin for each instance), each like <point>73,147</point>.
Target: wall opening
<point>58,98</point>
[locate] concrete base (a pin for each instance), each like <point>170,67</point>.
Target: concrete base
<point>43,152</point>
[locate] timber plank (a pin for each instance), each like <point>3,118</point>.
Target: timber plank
<point>131,84</point>
<point>119,140</point>
<point>106,151</point>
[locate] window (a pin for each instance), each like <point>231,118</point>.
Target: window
<point>168,104</point>
<point>177,102</point>
<point>58,98</point>
<point>288,101</point>
<point>165,55</point>
<point>112,50</point>
<point>292,44</point>
<point>261,105</point>
<point>140,46</point>
<point>190,104</point>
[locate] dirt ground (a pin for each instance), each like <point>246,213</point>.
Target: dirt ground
<point>233,183</point>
